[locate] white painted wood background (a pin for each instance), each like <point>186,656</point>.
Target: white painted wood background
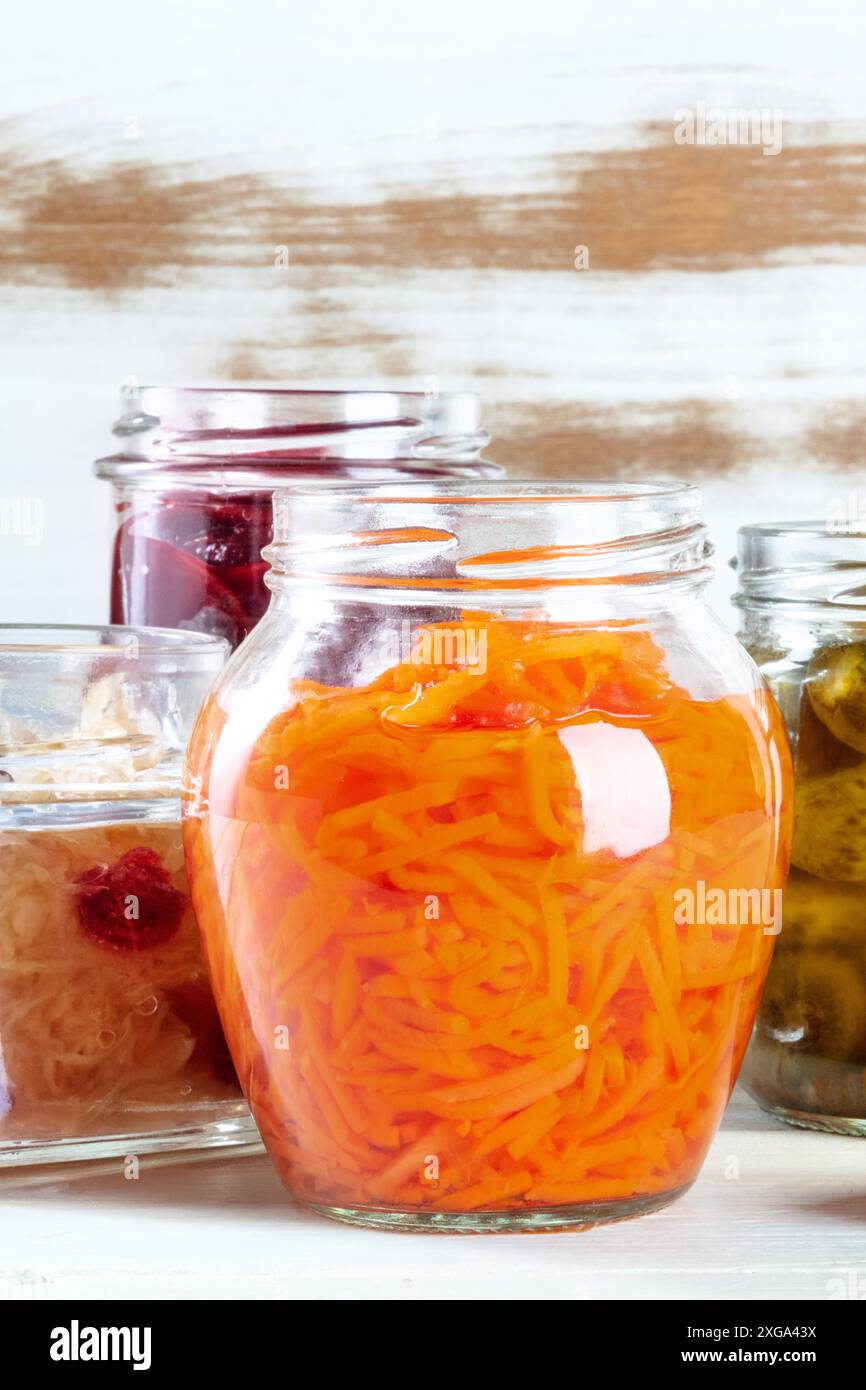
<point>431,169</point>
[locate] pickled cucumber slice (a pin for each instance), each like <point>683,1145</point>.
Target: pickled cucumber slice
<point>818,913</point>
<point>815,1001</point>
<point>830,824</point>
<point>817,750</point>
<point>836,681</point>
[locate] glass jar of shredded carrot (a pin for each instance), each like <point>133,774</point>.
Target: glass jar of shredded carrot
<point>486,826</point>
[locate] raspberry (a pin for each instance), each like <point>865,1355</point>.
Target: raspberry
<point>130,904</point>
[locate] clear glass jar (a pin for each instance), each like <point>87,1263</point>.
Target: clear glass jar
<point>193,480</point>
<point>802,593</point>
<point>109,1039</point>
<point>491,755</point>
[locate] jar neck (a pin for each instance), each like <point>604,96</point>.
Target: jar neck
<point>93,715</point>
<point>801,573</point>
<point>503,544</point>
<point>796,629</point>
<point>200,426</point>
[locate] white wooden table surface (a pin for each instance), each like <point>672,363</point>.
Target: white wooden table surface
<point>776,1214</point>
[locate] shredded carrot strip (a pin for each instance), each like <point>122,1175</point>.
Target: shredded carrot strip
<point>470,938</point>
<point>421,798</point>
<point>534,1120</point>
<point>658,988</point>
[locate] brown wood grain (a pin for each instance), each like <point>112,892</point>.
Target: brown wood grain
<point>560,440</point>
<point>837,437</point>
<point>656,206</point>
<point>109,234</point>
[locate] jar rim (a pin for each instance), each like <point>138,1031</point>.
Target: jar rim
<point>508,490</point>
<point>800,529</point>
<point>51,639</point>
<point>303,392</point>
<point>268,472</point>
<point>167,424</point>
<point>802,567</point>
<point>510,535</point>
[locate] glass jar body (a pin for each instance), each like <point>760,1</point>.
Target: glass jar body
<point>807,1061</point>
<point>451,855</point>
<point>111,1043</point>
<point>192,485</point>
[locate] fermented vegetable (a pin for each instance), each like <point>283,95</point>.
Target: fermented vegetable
<point>448,921</point>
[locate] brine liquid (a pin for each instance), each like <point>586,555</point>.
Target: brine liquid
<point>477,937</point>
<point>107,1020</point>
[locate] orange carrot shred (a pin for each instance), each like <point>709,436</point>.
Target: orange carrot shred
<point>468,935</point>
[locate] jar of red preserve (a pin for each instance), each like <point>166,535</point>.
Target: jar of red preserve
<point>196,468</point>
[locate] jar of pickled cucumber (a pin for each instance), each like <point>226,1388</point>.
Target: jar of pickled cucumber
<point>803,599</point>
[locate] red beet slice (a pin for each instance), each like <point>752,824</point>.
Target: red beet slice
<point>167,587</point>
<point>247,583</point>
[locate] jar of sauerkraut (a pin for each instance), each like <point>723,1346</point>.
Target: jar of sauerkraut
<point>109,1040</point>
<point>196,468</point>
<point>485,835</point>
<point>803,601</point>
